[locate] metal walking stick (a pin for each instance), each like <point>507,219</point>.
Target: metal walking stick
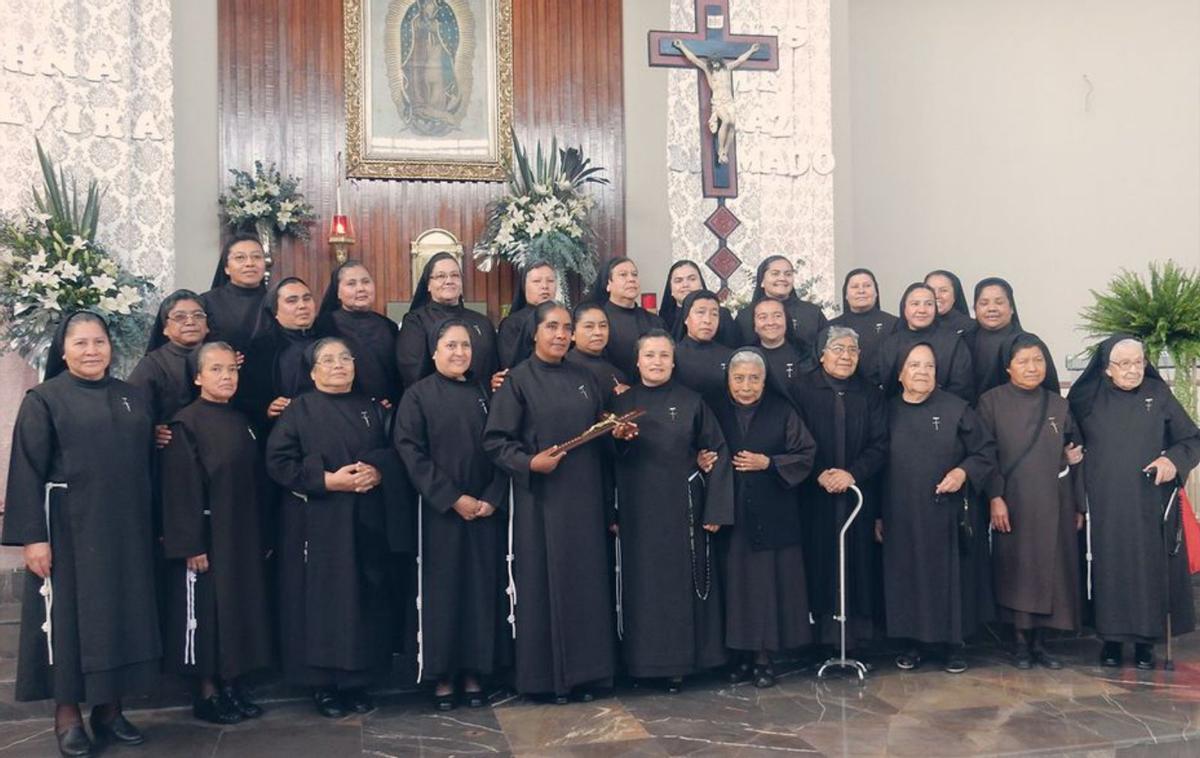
<point>843,662</point>
<point>1172,549</point>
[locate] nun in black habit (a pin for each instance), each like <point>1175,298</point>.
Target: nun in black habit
<point>163,373</point>
<point>700,360</point>
<point>274,372</point>
<point>214,498</point>
<point>1036,511</point>
<point>937,588</point>
<point>1140,445</point>
<point>996,321</point>
<point>558,519</point>
<point>78,501</point>
<point>848,419</point>
<point>617,290</point>
<point>669,513</point>
<point>775,279</point>
<point>589,341</point>
<point>347,312</point>
<point>439,436</point>
<point>951,300</point>
<point>437,297</point>
<point>772,452</point>
<point>789,358</point>
<point>339,472</point>
<point>683,278</point>
<point>861,312</point>
<point>920,322</point>
<point>536,284</point>
<point>239,285</point>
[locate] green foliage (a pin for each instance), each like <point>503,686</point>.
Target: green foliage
<point>1164,313</point>
<point>62,207</point>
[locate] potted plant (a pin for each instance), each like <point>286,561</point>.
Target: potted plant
<point>1164,313</point>
<point>268,204</point>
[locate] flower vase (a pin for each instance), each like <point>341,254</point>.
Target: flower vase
<point>266,237</point>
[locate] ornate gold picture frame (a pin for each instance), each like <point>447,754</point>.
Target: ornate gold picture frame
<point>429,89</point>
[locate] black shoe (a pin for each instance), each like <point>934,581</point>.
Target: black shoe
<point>1045,659</point>
<point>1023,657</point>
<point>444,702</point>
<point>740,672</point>
<point>356,700</point>
<point>74,742</point>
<point>1143,656</point>
<point>909,660</point>
<point>328,704</point>
<point>674,685</point>
<point>475,698</point>
<point>583,695</point>
<point>117,730</point>
<point>764,676</point>
<point>561,699</point>
<point>240,700</point>
<point>216,709</point>
<point>1110,655</point>
<point>955,664</point>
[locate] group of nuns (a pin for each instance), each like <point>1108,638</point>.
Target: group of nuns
<point>280,476</point>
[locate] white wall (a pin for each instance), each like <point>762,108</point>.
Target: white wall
<point>197,184</point>
<point>974,147</point>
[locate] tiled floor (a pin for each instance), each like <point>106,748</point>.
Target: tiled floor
<point>993,709</point>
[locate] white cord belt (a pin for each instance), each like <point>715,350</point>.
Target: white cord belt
<point>47,590</point>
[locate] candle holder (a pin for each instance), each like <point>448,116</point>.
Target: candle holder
<point>341,231</point>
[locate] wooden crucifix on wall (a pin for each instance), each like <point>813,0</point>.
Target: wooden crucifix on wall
<point>714,52</point>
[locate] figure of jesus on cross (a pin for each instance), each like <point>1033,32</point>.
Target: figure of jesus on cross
<point>716,52</point>
<point>722,119</point>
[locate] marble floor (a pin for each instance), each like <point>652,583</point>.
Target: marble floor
<point>993,709</point>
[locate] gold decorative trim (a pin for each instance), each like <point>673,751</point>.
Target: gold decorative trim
<point>360,165</point>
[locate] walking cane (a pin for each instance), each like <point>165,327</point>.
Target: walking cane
<point>1169,662</point>
<point>843,662</point>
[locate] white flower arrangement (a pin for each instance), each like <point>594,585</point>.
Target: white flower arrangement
<point>267,198</point>
<point>544,216</point>
<point>50,264</point>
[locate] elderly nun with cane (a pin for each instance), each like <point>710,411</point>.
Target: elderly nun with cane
<point>1140,445</point>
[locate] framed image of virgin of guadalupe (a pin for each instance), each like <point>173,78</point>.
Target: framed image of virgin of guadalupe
<point>429,89</point>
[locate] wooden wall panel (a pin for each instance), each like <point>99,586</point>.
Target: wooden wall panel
<point>281,100</point>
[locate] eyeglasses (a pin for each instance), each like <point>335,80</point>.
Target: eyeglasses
<point>183,318</point>
<point>843,350</point>
<point>452,276</point>
<point>329,361</point>
<point>1137,365</point>
<point>243,258</point>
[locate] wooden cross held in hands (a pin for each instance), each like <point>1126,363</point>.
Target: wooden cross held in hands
<point>712,42</point>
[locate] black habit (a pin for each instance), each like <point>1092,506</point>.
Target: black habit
<point>805,320</point>
<point>671,599</point>
<point>213,503</point>
<point>164,375</point>
<point>420,324</point>
<point>274,368</point>
<point>233,312</point>
<point>625,327</point>
<point>94,437</point>
<point>514,338</point>
<point>439,436</point>
<point>606,375</point>
<point>936,582</point>
<point>1132,571</point>
<point>787,365</point>
<point>558,522</point>
<point>766,597</point>
<point>372,338</point>
<point>335,599</point>
<point>1035,567</point>
<point>848,420</point>
<point>701,367</point>
<point>953,357</point>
